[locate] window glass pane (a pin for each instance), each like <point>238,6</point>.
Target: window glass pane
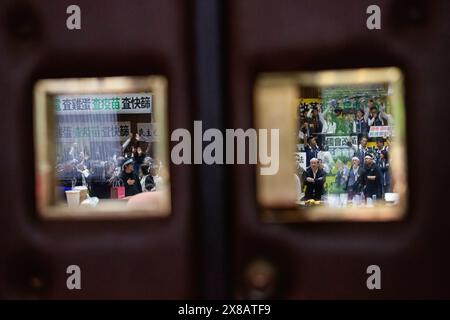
<point>101,149</point>
<point>342,145</point>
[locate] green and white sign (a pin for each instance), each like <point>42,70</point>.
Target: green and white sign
<point>73,132</point>
<point>104,103</point>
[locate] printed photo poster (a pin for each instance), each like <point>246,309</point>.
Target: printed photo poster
<point>149,131</point>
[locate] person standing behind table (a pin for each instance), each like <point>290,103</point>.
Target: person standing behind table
<point>374,118</point>
<point>299,174</point>
<point>311,149</point>
<point>341,175</point>
<point>378,148</point>
<point>315,123</point>
<point>326,158</point>
<point>147,181</point>
<point>138,159</point>
<point>372,178</point>
<point>98,182</point>
<point>385,171</point>
<point>360,126</point>
<point>130,179</point>
<point>314,181</point>
<point>329,126</point>
<point>155,169</point>
<point>342,126</point>
<point>355,184</point>
<point>361,150</point>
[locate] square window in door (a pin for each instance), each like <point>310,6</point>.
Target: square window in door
<point>101,147</point>
<point>342,145</point>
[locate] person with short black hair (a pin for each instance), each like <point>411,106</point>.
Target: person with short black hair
<point>372,178</point>
<point>311,149</point>
<point>385,171</point>
<point>130,179</point>
<point>374,118</point>
<point>98,182</point>
<point>360,125</point>
<point>378,148</point>
<point>360,150</point>
<point>138,159</point>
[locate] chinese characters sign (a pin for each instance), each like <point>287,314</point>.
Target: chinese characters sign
<point>112,103</point>
<point>381,131</point>
<point>71,132</point>
<point>148,131</point>
<point>338,145</point>
<point>301,158</point>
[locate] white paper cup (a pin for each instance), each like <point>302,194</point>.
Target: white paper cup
<point>392,197</point>
<point>83,192</point>
<point>73,198</point>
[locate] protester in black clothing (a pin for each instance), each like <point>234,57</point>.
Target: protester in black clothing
<point>138,158</point>
<point>372,178</point>
<point>316,125</point>
<point>147,181</point>
<point>311,149</point>
<point>130,179</point>
<point>314,180</point>
<point>385,171</point>
<point>98,182</point>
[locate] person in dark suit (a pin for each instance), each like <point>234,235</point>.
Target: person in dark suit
<point>360,150</point>
<point>372,178</point>
<point>314,181</point>
<point>311,149</point>
<point>98,182</point>
<point>385,171</point>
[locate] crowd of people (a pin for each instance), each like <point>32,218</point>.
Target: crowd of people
<point>365,173</point>
<point>129,165</point>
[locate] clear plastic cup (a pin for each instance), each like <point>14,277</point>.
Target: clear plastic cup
<point>344,199</point>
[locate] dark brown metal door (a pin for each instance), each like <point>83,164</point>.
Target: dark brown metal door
<point>214,243</point>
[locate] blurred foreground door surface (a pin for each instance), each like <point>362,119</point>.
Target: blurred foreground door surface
<point>329,260</point>
<point>140,258</point>
<point>214,244</point>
